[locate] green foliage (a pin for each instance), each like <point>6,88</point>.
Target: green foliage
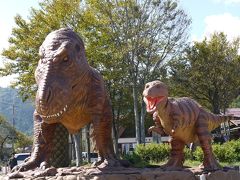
<point>235,103</point>
<point>7,132</point>
<point>188,154</point>
<point>9,135</point>
<point>22,141</point>
<point>136,160</point>
<point>228,152</point>
<point>198,154</point>
<point>209,72</point>
<point>153,152</point>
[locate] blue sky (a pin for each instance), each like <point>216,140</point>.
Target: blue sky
<point>207,16</point>
<point>213,15</point>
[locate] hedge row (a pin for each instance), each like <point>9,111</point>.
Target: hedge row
<point>228,152</point>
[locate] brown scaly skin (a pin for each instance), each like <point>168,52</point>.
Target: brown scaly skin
<point>72,93</point>
<point>185,121</point>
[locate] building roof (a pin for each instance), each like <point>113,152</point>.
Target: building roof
<point>234,112</point>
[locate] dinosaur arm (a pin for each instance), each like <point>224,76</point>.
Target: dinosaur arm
<point>158,126</point>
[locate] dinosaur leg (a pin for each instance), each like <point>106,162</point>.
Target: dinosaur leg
<point>176,156</point>
<point>42,145</point>
<point>102,131</point>
<point>209,161</point>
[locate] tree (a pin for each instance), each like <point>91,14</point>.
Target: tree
<point>209,72</point>
<point>131,39</point>
<point>9,135</point>
<point>78,147</point>
<point>236,103</point>
<point>22,141</point>
<point>125,40</point>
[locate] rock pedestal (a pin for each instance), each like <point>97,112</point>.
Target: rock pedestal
<point>84,173</point>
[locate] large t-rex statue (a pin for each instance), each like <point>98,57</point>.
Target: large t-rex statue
<point>185,121</point>
<point>72,93</point>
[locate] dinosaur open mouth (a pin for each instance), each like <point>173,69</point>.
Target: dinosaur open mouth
<point>58,114</point>
<point>152,102</point>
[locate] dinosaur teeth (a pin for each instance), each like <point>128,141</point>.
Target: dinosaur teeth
<point>58,114</point>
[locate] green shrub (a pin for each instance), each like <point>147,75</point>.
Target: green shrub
<point>228,152</point>
<point>135,160</point>
<point>219,151</point>
<point>153,152</point>
<point>188,154</point>
<point>198,154</point>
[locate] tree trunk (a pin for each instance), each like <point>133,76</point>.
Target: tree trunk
<point>73,148</point>
<point>78,147</point>
<point>88,142</point>
<point>142,123</point>
<point>136,115</point>
<point>216,108</point>
<point>115,137</point>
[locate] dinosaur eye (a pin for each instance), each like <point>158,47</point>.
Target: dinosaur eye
<point>147,86</point>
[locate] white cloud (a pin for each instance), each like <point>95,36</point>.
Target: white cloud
<point>6,80</point>
<point>194,38</point>
<point>226,23</point>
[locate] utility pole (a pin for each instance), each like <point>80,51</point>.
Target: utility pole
<point>13,115</point>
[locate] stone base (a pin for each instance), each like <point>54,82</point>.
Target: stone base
<point>84,173</point>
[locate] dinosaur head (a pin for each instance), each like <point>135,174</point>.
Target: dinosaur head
<point>61,67</point>
<point>155,95</point>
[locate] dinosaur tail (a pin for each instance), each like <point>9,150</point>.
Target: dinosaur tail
<point>216,120</point>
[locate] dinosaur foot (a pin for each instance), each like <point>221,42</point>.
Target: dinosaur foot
<point>110,163</point>
<point>211,164</point>
<point>30,164</point>
<point>174,164</point>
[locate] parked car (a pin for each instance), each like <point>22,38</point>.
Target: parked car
<point>21,157</point>
<point>93,156</point>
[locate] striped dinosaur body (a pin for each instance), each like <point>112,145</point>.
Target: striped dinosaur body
<point>184,120</point>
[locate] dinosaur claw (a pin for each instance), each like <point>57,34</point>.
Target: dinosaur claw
<point>110,163</point>
<point>44,165</point>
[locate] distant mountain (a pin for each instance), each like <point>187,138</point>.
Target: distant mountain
<point>15,111</point>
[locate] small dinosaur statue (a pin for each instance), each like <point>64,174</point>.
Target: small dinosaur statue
<point>72,93</point>
<point>185,121</point>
